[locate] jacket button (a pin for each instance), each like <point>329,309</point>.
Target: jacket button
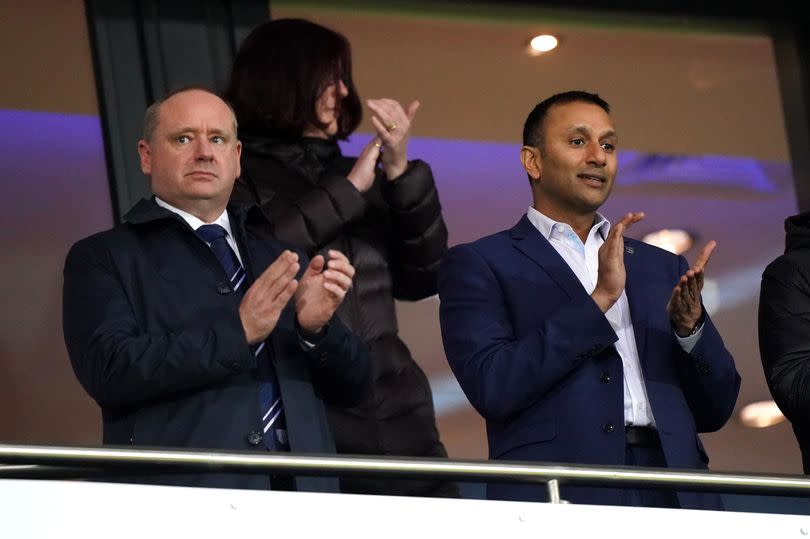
<point>223,288</point>
<point>608,427</point>
<point>605,379</point>
<point>255,437</point>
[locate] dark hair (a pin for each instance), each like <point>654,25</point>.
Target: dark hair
<point>281,69</point>
<point>533,127</point>
<point>152,114</point>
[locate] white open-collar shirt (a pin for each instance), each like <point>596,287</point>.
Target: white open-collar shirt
<point>583,259</point>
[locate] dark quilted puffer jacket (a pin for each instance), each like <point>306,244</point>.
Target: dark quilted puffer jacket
<point>784,329</point>
<point>395,236</point>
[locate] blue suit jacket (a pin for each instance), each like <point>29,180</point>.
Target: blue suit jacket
<point>154,336</point>
<point>535,357</point>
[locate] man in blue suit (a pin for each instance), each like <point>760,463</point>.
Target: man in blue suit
<point>574,343</point>
<point>191,326</point>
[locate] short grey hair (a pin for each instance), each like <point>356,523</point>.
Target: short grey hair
<point>152,115</point>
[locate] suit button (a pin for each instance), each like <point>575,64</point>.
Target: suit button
<point>608,427</point>
<point>224,288</point>
<point>605,379</point>
<point>595,348</point>
<point>255,437</point>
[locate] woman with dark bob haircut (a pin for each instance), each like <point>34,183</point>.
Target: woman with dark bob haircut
<point>292,90</point>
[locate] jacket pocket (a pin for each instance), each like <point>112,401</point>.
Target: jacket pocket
<point>521,434</point>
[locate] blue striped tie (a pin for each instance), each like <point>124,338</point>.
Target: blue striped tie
<point>269,394</point>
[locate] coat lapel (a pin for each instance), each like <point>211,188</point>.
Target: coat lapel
<point>528,240</point>
<point>634,287</point>
<point>258,252</point>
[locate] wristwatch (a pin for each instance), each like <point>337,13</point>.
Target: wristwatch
<point>698,325</point>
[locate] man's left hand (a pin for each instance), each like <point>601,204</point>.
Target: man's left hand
<point>684,306</point>
<point>320,290</point>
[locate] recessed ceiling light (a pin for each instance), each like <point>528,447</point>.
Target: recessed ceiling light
<point>672,240</point>
<point>543,43</point>
<point>761,414</point>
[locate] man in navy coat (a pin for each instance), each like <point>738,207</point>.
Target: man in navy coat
<point>181,350</point>
<point>574,343</point>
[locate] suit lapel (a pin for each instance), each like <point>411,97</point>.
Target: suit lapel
<point>528,240</point>
<point>634,287</point>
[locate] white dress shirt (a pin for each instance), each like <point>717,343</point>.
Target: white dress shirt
<point>195,222</point>
<point>583,259</point>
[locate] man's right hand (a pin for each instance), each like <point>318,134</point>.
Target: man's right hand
<point>265,299</point>
<point>612,275</point>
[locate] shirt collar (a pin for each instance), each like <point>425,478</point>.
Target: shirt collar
<point>546,224</point>
<point>195,222</point>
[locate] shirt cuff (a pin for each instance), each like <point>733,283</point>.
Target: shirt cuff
<point>688,343</point>
<point>308,340</point>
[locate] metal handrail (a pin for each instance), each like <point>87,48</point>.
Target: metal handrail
<point>149,460</point>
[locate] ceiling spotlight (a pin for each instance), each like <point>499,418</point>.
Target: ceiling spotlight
<point>761,414</point>
<point>541,44</point>
<point>672,240</point>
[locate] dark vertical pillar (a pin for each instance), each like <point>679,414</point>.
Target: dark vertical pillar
<point>143,49</point>
<point>792,50</point>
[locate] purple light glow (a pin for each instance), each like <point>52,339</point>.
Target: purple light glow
<point>483,187</point>
<point>53,169</point>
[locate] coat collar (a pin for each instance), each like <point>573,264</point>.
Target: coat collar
<point>147,210</point>
<point>309,157</point>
